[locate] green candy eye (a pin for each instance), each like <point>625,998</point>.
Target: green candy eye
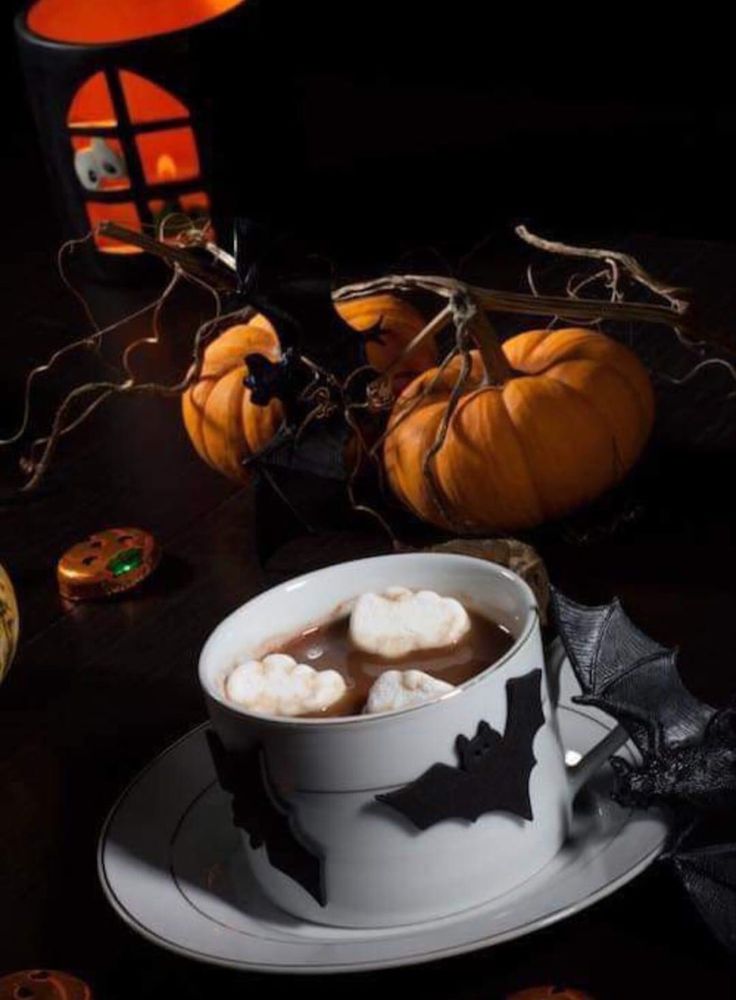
<point>125,561</point>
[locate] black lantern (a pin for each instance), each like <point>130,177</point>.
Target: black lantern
<point>130,101</point>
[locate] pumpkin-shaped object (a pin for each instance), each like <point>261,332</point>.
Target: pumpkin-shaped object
<point>8,623</point>
<point>392,323</point>
<point>564,421</point>
<point>549,993</point>
<point>41,984</point>
<point>225,426</point>
<point>107,563</point>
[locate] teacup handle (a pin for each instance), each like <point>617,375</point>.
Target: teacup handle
<point>579,774</point>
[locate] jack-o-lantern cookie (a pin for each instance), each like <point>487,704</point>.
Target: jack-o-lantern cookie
<point>107,563</point>
<point>41,984</point>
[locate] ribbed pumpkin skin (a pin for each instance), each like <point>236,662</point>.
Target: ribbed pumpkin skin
<point>222,422</point>
<point>543,444</point>
<point>399,323</point>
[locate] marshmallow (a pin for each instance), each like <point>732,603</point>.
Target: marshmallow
<point>401,621</point>
<point>396,689</point>
<point>278,685</point>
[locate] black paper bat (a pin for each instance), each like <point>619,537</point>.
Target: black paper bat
<point>294,290</point>
<point>688,747</point>
<point>493,773</point>
<point>258,811</point>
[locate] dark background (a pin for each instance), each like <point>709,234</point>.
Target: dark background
<point>407,128</point>
<point>439,123</point>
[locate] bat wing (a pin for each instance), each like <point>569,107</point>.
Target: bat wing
<point>627,674</point>
<point>441,792</point>
<point>493,775</point>
<point>709,875</point>
<point>516,760</point>
<point>258,811</point>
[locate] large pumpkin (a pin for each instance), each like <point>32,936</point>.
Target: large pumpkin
<point>226,427</point>
<point>562,425</point>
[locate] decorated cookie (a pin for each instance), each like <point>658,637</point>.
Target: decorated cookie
<point>107,563</point>
<point>8,623</point>
<point>41,984</point>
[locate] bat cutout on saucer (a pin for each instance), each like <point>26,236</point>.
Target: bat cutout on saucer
<point>258,810</point>
<point>493,771</point>
<point>688,748</point>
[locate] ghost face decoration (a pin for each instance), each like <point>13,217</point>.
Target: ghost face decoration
<point>98,165</point>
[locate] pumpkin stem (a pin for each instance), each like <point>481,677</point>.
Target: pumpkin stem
<point>497,370</point>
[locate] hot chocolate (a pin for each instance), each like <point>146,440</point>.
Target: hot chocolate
<point>329,646</point>
<point>391,651</point>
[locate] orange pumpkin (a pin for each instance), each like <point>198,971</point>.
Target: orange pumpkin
<point>396,322</point>
<point>393,322</point>
<point>226,427</point>
<point>564,423</point>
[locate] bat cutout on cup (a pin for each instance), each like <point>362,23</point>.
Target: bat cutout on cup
<point>258,810</point>
<point>493,771</point>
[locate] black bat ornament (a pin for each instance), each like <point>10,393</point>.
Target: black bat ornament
<point>709,875</point>
<point>493,772</point>
<point>688,748</point>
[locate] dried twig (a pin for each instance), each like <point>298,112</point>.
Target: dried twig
<point>628,263</point>
<point>465,306</point>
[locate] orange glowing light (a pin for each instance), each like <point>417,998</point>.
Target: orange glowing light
<point>177,145</point>
<point>147,102</point>
<point>92,104</point>
<point>94,22</point>
<point>160,142</point>
<point>166,168</point>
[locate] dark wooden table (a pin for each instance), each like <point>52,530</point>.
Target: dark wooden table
<point>97,690</point>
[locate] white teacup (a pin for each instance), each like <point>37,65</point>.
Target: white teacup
<point>376,868</point>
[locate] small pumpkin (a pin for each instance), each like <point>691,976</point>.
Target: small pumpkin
<point>225,426</point>
<point>393,323</point>
<point>390,323</point>
<point>8,623</point>
<point>562,418</point>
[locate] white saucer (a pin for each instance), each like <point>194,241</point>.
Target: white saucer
<point>170,864</point>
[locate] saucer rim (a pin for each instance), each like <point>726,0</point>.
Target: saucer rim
<point>338,968</point>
